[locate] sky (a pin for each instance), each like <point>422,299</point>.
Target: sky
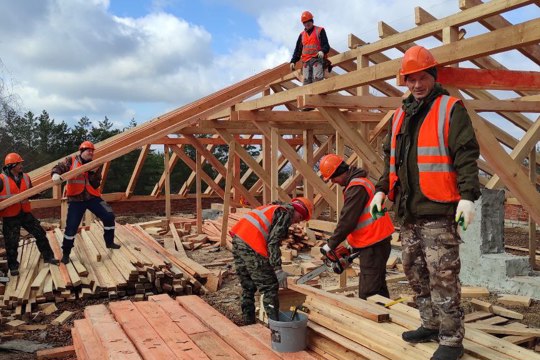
<point>138,59</point>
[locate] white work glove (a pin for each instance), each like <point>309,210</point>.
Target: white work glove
<point>292,66</point>
<point>320,54</point>
<point>282,278</point>
<point>465,209</point>
<point>376,204</point>
<point>56,178</point>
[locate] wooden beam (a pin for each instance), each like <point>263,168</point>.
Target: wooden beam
<point>198,189</point>
<point>192,165</point>
<point>301,166</point>
<point>228,187</point>
<point>526,144</point>
<point>372,161</point>
<point>137,170</point>
<point>504,166</point>
<point>496,22</point>
<point>497,79</point>
<point>300,117</point>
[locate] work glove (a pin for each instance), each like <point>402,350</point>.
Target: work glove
<point>328,252</point>
<point>465,210</point>
<point>56,178</point>
<point>320,54</point>
<point>292,66</point>
<point>282,278</point>
<point>376,204</point>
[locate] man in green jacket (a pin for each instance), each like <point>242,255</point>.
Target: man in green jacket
<point>432,176</point>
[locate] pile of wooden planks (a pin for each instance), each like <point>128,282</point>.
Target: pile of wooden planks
<point>141,267</point>
<point>163,328</point>
<point>349,328</point>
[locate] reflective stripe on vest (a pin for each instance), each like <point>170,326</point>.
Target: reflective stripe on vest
<point>77,185</point>
<point>311,44</point>
<point>368,231</point>
<point>253,228</point>
<point>11,189</point>
<point>437,176</point>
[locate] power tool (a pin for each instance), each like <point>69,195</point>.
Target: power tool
<point>336,260</point>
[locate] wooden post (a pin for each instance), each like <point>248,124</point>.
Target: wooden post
<point>227,198</point>
<point>532,223</point>
<point>308,158</point>
<point>198,170</point>
<point>340,150</point>
<point>267,166</point>
<point>274,164</point>
<point>167,183</point>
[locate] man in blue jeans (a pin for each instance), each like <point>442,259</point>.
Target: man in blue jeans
<point>83,193</point>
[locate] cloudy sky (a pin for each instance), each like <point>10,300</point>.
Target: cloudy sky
<point>138,59</point>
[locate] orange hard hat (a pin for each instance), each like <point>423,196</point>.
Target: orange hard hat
<point>13,158</point>
<point>416,58</point>
<point>86,145</point>
<point>307,204</point>
<point>329,164</point>
<point>306,16</point>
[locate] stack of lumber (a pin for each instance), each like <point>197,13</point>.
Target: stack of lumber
<point>163,328</point>
<point>349,328</point>
<point>297,238</point>
<point>141,267</point>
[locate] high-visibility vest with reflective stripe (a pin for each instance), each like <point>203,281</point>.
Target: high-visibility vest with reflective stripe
<point>254,227</point>
<point>437,176</point>
<point>76,185</point>
<point>311,44</point>
<point>11,189</point>
<point>368,231</point>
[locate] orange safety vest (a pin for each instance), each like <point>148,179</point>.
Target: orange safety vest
<point>311,44</point>
<point>368,231</point>
<point>11,189</point>
<point>78,184</point>
<point>253,228</point>
<point>437,176</point>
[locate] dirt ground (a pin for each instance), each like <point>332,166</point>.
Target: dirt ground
<point>227,299</point>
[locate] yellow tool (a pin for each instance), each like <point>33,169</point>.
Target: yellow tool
<point>394,302</point>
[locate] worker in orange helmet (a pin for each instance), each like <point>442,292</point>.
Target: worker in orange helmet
<point>83,194</point>
<point>256,241</point>
<point>312,48</point>
<point>14,181</point>
<point>368,236</point>
<point>431,174</point>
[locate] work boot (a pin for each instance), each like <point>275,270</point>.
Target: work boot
<point>65,258</point>
<point>113,246</point>
<point>249,319</point>
<point>51,260</point>
<point>444,352</point>
<point>14,271</point>
<point>420,335</point>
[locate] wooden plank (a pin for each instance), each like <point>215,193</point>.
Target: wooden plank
<point>499,310</point>
<point>56,353</point>
<point>472,292</point>
<point>501,330</point>
<point>356,306</point>
<point>515,300</point>
<point>177,241</point>
<point>140,332</point>
<point>189,323</point>
<point>171,332</point>
<point>136,171</point>
<point>115,342</point>
<point>62,318</point>
<point>237,338</point>
<point>215,347</point>
<point>489,79</point>
<point>90,346</point>
<point>477,315</point>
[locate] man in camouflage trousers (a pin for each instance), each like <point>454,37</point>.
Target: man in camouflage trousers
<point>257,255</point>
<point>12,182</point>
<point>432,176</point>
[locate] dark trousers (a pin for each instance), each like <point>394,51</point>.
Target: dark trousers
<point>11,229</point>
<point>75,213</point>
<point>372,279</point>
